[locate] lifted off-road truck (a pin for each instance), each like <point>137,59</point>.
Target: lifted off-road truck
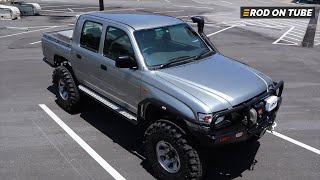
<point>157,72</point>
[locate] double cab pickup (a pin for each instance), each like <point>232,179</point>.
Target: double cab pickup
<point>160,74</point>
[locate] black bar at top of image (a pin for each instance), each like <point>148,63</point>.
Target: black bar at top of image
<point>273,8</point>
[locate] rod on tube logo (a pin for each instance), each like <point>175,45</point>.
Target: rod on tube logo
<point>277,12</point>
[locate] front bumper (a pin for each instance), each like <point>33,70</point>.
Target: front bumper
<point>238,131</point>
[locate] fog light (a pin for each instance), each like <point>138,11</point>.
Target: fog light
<point>253,116</point>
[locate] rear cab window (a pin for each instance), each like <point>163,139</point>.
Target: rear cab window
<point>91,36</point>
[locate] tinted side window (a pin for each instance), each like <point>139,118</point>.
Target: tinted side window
<point>90,36</point>
<point>117,43</point>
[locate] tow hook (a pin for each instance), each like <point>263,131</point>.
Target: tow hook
<point>272,126</point>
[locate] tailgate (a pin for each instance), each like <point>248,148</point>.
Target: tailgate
<point>57,43</point>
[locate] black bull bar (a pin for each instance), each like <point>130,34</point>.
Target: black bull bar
<point>245,107</point>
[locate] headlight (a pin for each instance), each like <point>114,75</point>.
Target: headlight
<point>205,118</point>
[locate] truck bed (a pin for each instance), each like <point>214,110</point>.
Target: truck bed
<point>64,36</point>
<point>56,43</point>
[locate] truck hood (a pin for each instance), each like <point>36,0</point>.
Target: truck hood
<point>217,76</point>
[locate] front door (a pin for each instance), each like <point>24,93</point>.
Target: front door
<point>122,84</point>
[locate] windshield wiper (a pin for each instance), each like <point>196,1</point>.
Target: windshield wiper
<point>174,60</point>
<point>202,54</point>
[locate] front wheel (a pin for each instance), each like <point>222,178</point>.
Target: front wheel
<point>170,154</point>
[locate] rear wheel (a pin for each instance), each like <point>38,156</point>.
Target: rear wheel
<point>170,154</point>
<point>68,96</point>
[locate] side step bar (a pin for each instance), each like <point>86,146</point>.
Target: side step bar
<point>109,104</point>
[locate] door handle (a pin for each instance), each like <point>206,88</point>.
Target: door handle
<point>79,56</point>
<point>104,67</point>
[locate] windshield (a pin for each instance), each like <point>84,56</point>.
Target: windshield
<point>162,45</point>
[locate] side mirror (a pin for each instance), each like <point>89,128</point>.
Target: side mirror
<point>200,21</point>
<point>126,62</point>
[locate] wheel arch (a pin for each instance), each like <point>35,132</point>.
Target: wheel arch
<point>59,60</point>
<point>151,110</point>
<point>62,61</point>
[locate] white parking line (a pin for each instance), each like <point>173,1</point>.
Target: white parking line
<point>217,14</point>
<point>300,30</point>
<point>10,35</point>
<point>291,34</point>
<point>35,42</point>
<point>289,43</point>
<point>295,142</point>
<point>27,27</point>
<point>270,24</point>
<point>263,25</point>
<point>292,38</point>
<point>221,31</point>
<point>200,2</point>
<point>58,11</point>
<point>283,35</point>
<point>281,2</point>
<point>17,28</point>
<point>294,32</point>
<point>194,7</point>
<point>130,9</point>
<point>83,144</point>
<point>186,16</point>
<point>281,23</point>
<point>158,12</point>
<point>58,6</point>
<point>65,11</point>
<point>264,2</point>
<point>295,24</point>
<point>225,2</point>
<point>71,9</point>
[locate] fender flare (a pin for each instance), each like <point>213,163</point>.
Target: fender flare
<point>143,106</point>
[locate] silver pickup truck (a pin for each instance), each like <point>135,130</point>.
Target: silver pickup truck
<point>159,73</point>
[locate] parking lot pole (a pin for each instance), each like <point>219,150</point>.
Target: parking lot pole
<point>101,4</point>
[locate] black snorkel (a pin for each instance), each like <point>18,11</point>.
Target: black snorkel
<point>200,22</point>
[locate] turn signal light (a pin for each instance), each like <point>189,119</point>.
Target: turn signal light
<point>225,138</point>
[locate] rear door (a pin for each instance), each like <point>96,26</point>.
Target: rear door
<point>86,52</point>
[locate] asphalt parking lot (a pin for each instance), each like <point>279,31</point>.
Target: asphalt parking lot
<point>34,146</point>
